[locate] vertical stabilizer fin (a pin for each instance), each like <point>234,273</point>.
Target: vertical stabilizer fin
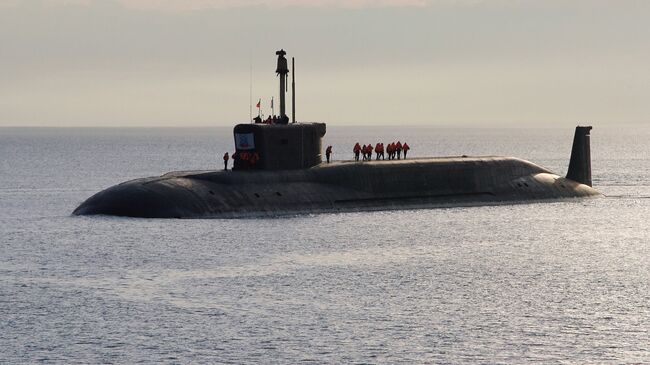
<point>580,165</point>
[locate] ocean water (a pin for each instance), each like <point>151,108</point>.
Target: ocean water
<point>561,282</point>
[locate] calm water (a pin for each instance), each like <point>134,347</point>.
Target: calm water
<point>565,282</point>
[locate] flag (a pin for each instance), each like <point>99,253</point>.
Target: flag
<point>258,103</point>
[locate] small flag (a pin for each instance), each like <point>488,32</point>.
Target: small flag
<point>258,103</point>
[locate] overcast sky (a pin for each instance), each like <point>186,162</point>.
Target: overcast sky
<point>388,62</point>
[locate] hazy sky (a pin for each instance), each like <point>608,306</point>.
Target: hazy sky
<point>389,62</point>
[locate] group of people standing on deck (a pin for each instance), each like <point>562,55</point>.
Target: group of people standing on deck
<point>272,119</point>
<point>394,151</point>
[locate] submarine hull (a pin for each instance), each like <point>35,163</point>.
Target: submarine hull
<point>335,187</point>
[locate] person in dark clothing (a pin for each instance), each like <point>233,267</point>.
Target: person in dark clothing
<point>225,161</point>
<point>328,153</point>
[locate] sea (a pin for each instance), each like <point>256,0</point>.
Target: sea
<point>564,282</point>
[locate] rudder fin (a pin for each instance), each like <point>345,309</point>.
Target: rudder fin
<point>580,164</point>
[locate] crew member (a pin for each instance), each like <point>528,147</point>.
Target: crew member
<point>364,152</point>
<point>225,161</point>
<point>377,151</point>
<point>328,153</point>
<point>369,152</point>
<point>398,149</point>
<point>356,150</point>
<point>405,148</point>
<point>253,159</point>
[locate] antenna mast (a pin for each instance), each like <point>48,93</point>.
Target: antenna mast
<point>293,91</point>
<point>250,95</point>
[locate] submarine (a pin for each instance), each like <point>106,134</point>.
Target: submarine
<point>278,170</point>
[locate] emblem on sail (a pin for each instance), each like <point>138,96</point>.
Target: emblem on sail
<point>244,141</point>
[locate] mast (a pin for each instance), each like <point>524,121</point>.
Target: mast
<point>282,70</point>
<point>250,94</point>
<point>293,91</point>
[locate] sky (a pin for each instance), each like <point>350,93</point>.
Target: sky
<point>182,63</point>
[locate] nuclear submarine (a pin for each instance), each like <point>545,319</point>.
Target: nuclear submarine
<point>278,170</point>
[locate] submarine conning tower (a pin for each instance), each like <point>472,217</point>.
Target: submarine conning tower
<point>276,144</point>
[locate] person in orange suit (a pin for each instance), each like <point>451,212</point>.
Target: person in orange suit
<point>405,148</point>
<point>391,151</point>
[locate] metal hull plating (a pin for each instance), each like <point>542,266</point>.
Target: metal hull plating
<point>341,186</point>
